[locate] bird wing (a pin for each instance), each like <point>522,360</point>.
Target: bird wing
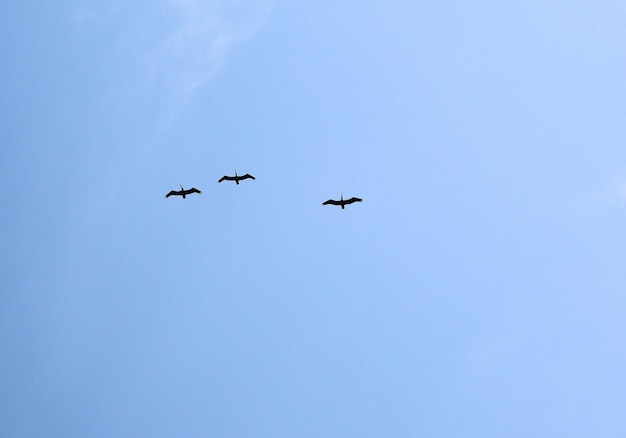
<point>353,199</point>
<point>226,177</point>
<point>172,192</point>
<point>194,190</point>
<point>247,175</point>
<point>331,201</point>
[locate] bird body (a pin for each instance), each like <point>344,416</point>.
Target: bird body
<point>182,192</point>
<point>342,202</point>
<point>235,178</point>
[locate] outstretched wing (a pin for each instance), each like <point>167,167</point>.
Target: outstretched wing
<point>227,178</point>
<point>192,190</point>
<point>172,192</point>
<point>353,199</point>
<point>332,202</point>
<point>246,176</point>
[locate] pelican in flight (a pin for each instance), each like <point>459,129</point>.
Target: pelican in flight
<point>342,202</point>
<point>182,192</point>
<point>235,178</point>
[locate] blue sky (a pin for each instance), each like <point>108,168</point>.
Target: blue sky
<point>478,290</point>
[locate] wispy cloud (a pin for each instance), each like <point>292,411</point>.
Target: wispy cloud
<point>614,192</point>
<point>172,47</point>
<point>204,33</point>
<point>609,193</point>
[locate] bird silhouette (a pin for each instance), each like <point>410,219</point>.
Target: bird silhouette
<point>182,192</point>
<point>235,178</point>
<point>342,202</point>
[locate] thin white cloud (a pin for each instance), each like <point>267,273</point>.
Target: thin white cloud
<point>204,34</point>
<point>610,193</point>
<point>170,48</point>
<point>615,193</point>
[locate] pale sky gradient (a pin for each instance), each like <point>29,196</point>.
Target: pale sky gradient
<point>477,291</point>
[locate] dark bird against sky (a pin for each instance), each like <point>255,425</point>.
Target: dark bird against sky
<point>342,202</point>
<point>182,192</point>
<point>235,178</point>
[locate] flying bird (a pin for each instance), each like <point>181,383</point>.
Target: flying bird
<point>182,192</point>
<point>235,178</point>
<point>342,202</point>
